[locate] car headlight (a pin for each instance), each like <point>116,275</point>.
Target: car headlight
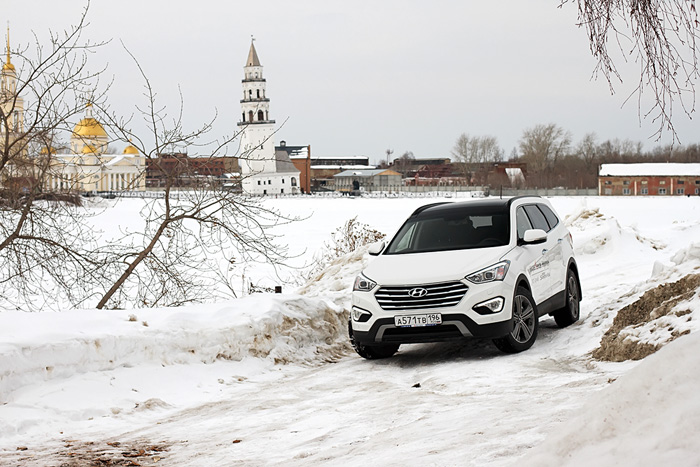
<point>363,284</point>
<point>497,272</point>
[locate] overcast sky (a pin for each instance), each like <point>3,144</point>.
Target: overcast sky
<point>361,77</point>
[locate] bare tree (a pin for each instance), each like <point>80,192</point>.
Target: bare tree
<point>192,239</point>
<point>541,147</point>
<point>475,154</point>
<point>661,36</point>
<point>404,163</point>
<point>587,150</point>
<point>46,246</point>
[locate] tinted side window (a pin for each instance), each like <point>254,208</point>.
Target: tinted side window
<point>552,218</point>
<point>523,223</point>
<point>536,217</point>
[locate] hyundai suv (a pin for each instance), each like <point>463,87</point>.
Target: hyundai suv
<point>487,268</point>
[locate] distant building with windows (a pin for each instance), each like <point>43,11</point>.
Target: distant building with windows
<point>649,179</point>
<point>325,168</point>
<point>301,158</point>
<point>352,181</point>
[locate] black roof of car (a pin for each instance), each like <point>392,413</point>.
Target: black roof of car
<point>478,204</point>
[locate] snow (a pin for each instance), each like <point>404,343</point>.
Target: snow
<point>648,169</point>
<point>271,380</point>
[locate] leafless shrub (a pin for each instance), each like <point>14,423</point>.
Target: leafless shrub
<point>346,239</point>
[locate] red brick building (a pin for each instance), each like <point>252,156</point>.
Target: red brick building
<point>649,179</point>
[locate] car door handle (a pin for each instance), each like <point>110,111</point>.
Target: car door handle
<point>544,250</point>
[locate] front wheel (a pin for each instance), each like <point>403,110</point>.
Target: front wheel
<point>525,324</point>
<point>570,313</point>
<point>372,352</point>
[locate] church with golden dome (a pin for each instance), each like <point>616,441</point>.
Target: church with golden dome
<point>88,164</point>
<point>90,167</point>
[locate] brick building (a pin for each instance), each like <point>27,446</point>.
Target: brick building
<point>649,179</point>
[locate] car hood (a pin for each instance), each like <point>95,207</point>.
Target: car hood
<point>431,267</point>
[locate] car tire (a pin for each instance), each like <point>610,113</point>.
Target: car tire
<point>525,324</point>
<point>569,314</point>
<point>372,352</point>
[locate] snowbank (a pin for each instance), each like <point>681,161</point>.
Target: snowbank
<point>648,417</point>
<point>37,347</point>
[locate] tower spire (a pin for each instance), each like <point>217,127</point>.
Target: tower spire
<point>8,64</point>
<point>253,59</point>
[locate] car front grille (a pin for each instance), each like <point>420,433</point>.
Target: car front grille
<point>416,297</point>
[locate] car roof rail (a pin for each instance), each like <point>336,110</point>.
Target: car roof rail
<point>515,198</point>
<point>428,206</point>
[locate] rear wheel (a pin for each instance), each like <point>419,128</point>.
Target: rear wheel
<point>570,313</point>
<point>371,352</point>
<point>525,324</point>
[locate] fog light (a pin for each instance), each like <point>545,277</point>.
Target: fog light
<point>360,315</point>
<point>493,305</point>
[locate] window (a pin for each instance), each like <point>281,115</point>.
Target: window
<point>680,191</point>
<point>662,191</point>
<point>552,219</point>
<point>261,116</point>
<point>645,191</point>
<point>625,191</point>
<point>522,222</point>
<point>644,182</point>
<point>608,182</point>
<point>258,182</point>
<point>626,182</point>
<point>697,182</point>
<point>662,182</point>
<point>282,181</point>
<point>536,217</point>
<point>250,115</point>
<point>258,93</point>
<point>294,182</point>
<point>681,182</point>
<point>697,191</point>
<point>282,190</point>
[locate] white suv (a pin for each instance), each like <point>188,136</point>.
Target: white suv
<point>488,268</point>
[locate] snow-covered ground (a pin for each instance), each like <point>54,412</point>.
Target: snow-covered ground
<point>270,379</point>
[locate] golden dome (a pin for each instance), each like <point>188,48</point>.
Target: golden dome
<point>131,149</point>
<point>46,151</point>
<point>8,66</point>
<point>89,127</point>
<point>89,149</point>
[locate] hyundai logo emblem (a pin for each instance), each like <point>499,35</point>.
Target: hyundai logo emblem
<point>418,292</point>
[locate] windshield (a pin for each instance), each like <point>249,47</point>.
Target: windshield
<point>452,230</point>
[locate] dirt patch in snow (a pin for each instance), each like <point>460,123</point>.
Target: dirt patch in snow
<point>74,453</point>
<point>617,344</point>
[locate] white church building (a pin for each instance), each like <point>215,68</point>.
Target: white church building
<point>263,172</point>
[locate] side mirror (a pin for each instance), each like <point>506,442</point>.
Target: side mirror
<point>534,236</point>
<point>376,248</point>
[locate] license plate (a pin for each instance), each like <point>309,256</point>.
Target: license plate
<point>414,321</point>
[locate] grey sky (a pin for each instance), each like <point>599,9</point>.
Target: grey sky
<point>357,78</point>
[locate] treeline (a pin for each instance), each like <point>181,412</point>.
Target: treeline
<point>553,159</point>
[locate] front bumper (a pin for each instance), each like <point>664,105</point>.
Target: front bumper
<point>458,322</point>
